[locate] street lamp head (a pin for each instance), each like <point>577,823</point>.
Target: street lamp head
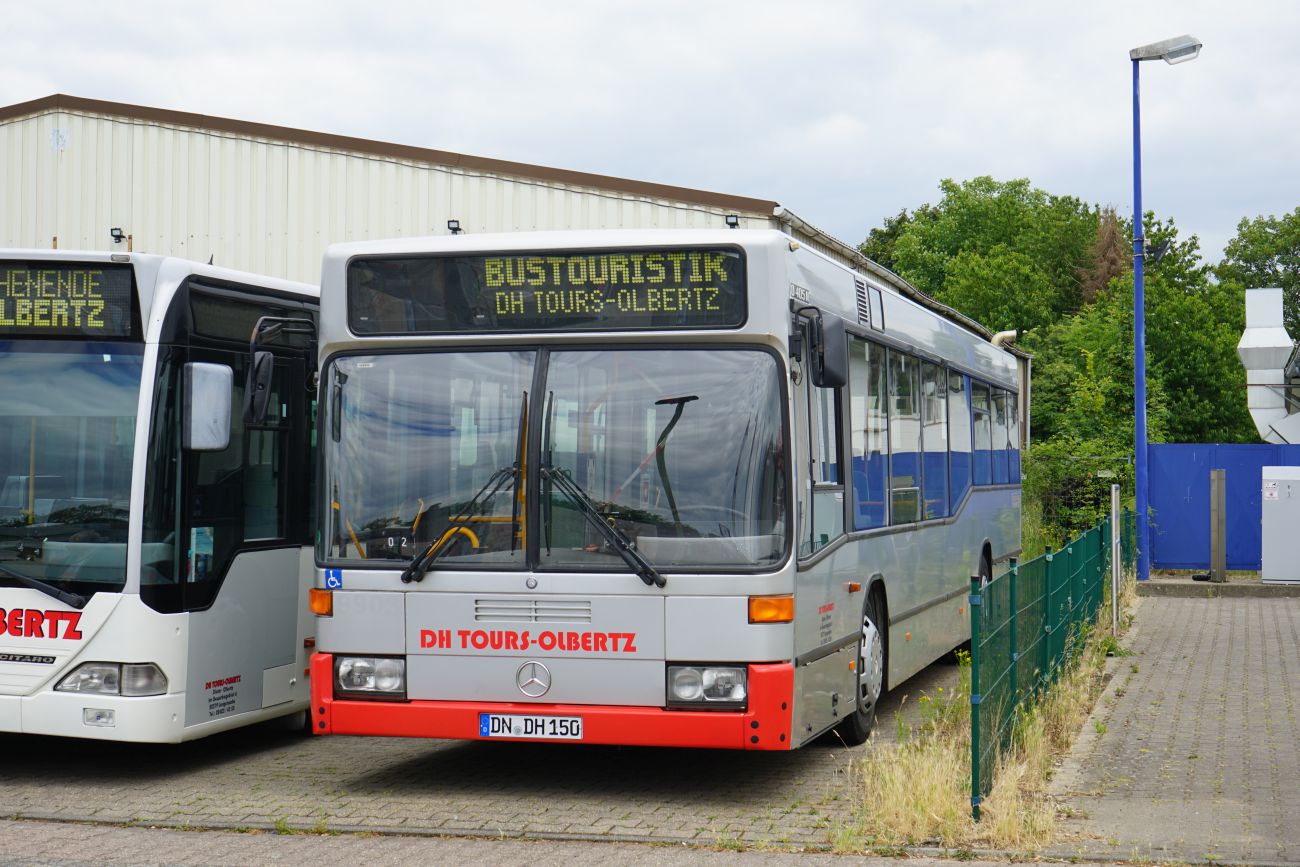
<point>1176,50</point>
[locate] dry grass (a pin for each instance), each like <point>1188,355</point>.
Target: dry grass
<point>917,792</point>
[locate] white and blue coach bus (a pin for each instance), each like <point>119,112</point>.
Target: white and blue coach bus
<point>154,549</point>
<point>682,488</point>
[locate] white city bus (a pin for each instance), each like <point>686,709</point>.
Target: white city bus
<point>154,550</point>
<point>677,488</point>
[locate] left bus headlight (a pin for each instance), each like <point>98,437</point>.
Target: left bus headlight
<point>721,686</point>
<point>373,677</point>
<point>112,678</point>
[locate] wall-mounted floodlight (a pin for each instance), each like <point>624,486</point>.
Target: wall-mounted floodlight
<point>1177,50</point>
<point>733,221</point>
<point>453,226</point>
<point>117,235</point>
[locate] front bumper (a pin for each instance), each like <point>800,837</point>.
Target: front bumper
<point>146,719</point>
<point>766,725</point>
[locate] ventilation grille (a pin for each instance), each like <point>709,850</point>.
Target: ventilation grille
<point>864,307</point>
<point>514,610</point>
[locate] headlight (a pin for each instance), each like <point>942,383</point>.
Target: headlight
<point>703,686</point>
<point>102,678</point>
<point>112,678</point>
<point>376,677</point>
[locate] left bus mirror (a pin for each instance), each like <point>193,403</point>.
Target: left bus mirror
<point>830,351</point>
<point>207,406</point>
<point>257,387</point>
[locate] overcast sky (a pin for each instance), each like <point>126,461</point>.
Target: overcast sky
<point>844,112</point>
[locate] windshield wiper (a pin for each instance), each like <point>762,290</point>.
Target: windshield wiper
<point>418,566</point>
<point>644,569</point>
<point>557,478</point>
<point>76,600</point>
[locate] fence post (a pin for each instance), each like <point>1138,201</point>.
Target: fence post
<point>1115,532</point>
<point>976,604</point>
<point>1015,638</point>
<point>1070,599</point>
<point>1098,594</point>
<point>1048,636</point>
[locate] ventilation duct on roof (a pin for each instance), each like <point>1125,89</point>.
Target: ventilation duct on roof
<point>1266,351</point>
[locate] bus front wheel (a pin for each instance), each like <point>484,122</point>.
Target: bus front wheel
<point>856,727</point>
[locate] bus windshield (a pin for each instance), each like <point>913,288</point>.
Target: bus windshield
<point>680,450</point>
<point>67,434</point>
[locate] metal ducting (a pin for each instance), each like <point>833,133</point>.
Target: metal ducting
<point>1265,350</point>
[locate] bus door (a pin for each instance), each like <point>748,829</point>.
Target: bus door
<point>241,523</point>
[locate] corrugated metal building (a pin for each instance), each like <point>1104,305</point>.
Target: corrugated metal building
<point>268,199</point>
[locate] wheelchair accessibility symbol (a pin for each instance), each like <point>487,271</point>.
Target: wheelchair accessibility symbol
<point>333,579</point>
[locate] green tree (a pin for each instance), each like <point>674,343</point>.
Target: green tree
<point>879,245</point>
<point>1266,253</point>
<point>1060,271</point>
<point>1031,249</point>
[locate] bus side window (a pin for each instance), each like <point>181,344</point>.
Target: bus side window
<point>982,422</point>
<point>1001,439</point>
<point>264,466</point>
<point>934,419</point>
<point>1013,436</point>
<point>868,400</point>
<point>959,451</point>
<point>826,523</point>
<point>905,482</point>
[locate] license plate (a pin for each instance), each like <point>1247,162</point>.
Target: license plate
<point>509,725</point>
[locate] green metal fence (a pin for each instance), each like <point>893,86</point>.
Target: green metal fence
<point>1025,627</point>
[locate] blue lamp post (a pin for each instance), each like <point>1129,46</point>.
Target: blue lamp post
<point>1176,50</point>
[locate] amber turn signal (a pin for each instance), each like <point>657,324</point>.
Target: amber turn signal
<point>322,602</point>
<point>771,609</point>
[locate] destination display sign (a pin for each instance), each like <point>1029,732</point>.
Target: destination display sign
<point>65,299</point>
<point>615,290</point>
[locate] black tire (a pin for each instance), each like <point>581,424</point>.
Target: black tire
<point>855,728</point>
<point>986,568</point>
<point>297,723</point>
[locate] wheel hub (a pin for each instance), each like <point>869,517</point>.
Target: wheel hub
<point>871,664</point>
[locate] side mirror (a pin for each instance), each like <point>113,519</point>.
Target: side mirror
<point>257,388</point>
<point>829,351</point>
<point>207,407</point>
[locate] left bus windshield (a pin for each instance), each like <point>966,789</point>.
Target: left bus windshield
<point>422,447</point>
<point>67,434</point>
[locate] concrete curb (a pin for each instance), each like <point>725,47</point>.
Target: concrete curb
<point>1189,589</point>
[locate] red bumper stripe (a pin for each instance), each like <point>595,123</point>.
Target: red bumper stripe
<point>765,726</point>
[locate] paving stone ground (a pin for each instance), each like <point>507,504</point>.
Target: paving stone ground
<point>261,779</point>
<point>1190,756</point>
<point>1193,753</point>
<point>47,844</point>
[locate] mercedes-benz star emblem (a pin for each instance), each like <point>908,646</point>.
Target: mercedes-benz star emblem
<point>533,679</point>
